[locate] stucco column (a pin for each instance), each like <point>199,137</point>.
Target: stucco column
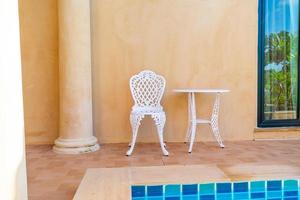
<point>76,123</point>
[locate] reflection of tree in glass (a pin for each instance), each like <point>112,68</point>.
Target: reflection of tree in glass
<point>281,65</point>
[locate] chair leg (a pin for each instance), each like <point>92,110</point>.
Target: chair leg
<point>192,138</point>
<point>193,121</point>
<point>188,133</point>
<point>135,121</point>
<point>160,120</point>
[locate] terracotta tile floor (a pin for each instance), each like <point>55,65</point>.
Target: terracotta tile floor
<point>53,176</point>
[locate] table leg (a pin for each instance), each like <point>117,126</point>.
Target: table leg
<point>193,122</point>
<point>188,132</point>
<point>215,121</point>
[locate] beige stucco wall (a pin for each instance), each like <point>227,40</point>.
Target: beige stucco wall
<point>39,43</point>
<point>193,43</point>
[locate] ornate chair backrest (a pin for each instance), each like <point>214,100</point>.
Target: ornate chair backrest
<point>147,89</point>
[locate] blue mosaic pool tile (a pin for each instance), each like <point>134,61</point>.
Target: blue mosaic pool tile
<point>223,187</point>
<point>155,190</point>
<point>290,185</point>
<point>273,185</point>
<point>258,195</point>
<point>139,198</point>
<point>241,196</point>
<point>190,189</point>
<point>172,198</point>
<point>224,196</point>
<point>274,194</point>
<point>240,187</point>
<point>292,198</point>
<point>207,197</point>
<point>207,188</point>
<point>190,197</point>
<point>291,193</point>
<point>138,191</point>
<point>172,191</point>
<point>155,198</point>
<point>257,186</point>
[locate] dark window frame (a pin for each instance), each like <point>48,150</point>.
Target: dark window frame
<point>261,122</point>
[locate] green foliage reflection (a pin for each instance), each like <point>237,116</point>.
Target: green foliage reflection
<point>280,77</point>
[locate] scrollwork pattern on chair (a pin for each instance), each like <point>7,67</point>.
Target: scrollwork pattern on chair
<point>147,89</point>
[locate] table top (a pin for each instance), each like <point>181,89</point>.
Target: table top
<point>198,90</point>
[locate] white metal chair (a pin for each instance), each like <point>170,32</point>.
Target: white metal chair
<point>147,89</point>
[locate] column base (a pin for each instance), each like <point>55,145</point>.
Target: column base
<point>76,146</point>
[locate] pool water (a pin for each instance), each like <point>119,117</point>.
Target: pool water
<point>258,190</point>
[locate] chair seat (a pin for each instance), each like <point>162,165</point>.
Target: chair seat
<point>203,121</point>
<point>147,109</point>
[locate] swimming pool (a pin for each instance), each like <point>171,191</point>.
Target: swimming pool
<point>258,190</point>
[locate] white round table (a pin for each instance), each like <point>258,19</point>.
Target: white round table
<point>192,118</point>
